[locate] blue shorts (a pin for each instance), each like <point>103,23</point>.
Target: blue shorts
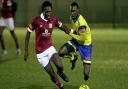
<point>84,50</point>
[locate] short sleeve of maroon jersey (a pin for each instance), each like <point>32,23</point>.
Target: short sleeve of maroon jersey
<point>32,26</point>
<point>57,22</point>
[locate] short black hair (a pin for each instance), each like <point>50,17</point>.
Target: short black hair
<point>45,4</point>
<point>75,4</point>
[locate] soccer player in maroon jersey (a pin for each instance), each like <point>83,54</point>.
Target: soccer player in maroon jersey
<point>43,26</point>
<point>6,20</point>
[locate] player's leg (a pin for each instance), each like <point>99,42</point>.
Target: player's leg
<point>86,70</point>
<point>86,53</point>
<point>57,61</point>
<point>53,76</point>
<point>16,42</point>
<point>1,38</point>
<point>44,59</point>
<point>10,25</point>
<point>63,51</point>
<point>69,50</point>
<point>2,27</point>
<point>15,39</point>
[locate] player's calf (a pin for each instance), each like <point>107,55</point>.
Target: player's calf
<point>86,77</point>
<point>86,70</point>
<point>63,76</point>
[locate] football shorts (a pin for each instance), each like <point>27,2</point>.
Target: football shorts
<point>9,23</point>
<point>45,57</point>
<point>84,50</point>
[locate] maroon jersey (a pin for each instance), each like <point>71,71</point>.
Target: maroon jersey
<point>43,31</point>
<point>7,13</point>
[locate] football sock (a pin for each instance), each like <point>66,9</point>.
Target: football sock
<point>72,55</point>
<point>56,80</point>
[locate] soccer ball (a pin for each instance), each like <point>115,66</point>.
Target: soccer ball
<point>83,86</point>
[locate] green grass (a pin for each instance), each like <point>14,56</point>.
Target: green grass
<point>109,65</point>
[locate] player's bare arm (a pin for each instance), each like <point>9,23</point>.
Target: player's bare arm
<point>65,29</point>
<point>26,45</point>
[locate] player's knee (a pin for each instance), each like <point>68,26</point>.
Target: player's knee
<point>60,67</point>
<point>0,35</point>
<point>61,53</point>
<point>86,77</point>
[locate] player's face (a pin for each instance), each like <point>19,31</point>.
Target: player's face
<point>47,12</point>
<point>74,12</point>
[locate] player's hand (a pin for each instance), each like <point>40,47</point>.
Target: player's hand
<point>25,55</point>
<point>69,31</point>
<point>75,32</point>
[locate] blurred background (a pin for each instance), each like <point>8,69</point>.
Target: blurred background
<point>110,46</point>
<point>98,13</point>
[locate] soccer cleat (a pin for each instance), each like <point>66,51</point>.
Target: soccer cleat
<point>63,76</point>
<point>18,52</point>
<point>73,61</point>
<point>83,86</point>
<point>5,52</point>
<point>62,86</point>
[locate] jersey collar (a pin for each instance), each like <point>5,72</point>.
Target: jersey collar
<point>42,16</point>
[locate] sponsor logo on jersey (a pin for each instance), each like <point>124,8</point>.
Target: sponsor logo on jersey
<point>46,33</point>
<point>50,25</point>
<point>41,26</point>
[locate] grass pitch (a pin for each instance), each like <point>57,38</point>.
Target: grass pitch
<point>109,65</point>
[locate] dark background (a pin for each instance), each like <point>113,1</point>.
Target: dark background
<point>98,13</point>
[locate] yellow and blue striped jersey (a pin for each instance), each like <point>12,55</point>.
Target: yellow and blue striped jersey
<point>81,33</point>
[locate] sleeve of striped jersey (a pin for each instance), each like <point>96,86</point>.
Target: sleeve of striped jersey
<point>82,29</point>
<point>58,23</point>
<point>31,27</point>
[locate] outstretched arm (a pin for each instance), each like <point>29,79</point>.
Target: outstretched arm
<point>79,37</point>
<point>26,45</point>
<point>65,29</point>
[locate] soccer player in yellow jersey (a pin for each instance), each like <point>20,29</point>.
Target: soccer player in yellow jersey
<point>81,41</point>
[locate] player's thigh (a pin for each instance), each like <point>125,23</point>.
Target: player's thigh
<point>49,69</point>
<point>56,60</point>
<point>66,48</point>
<point>63,49</point>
